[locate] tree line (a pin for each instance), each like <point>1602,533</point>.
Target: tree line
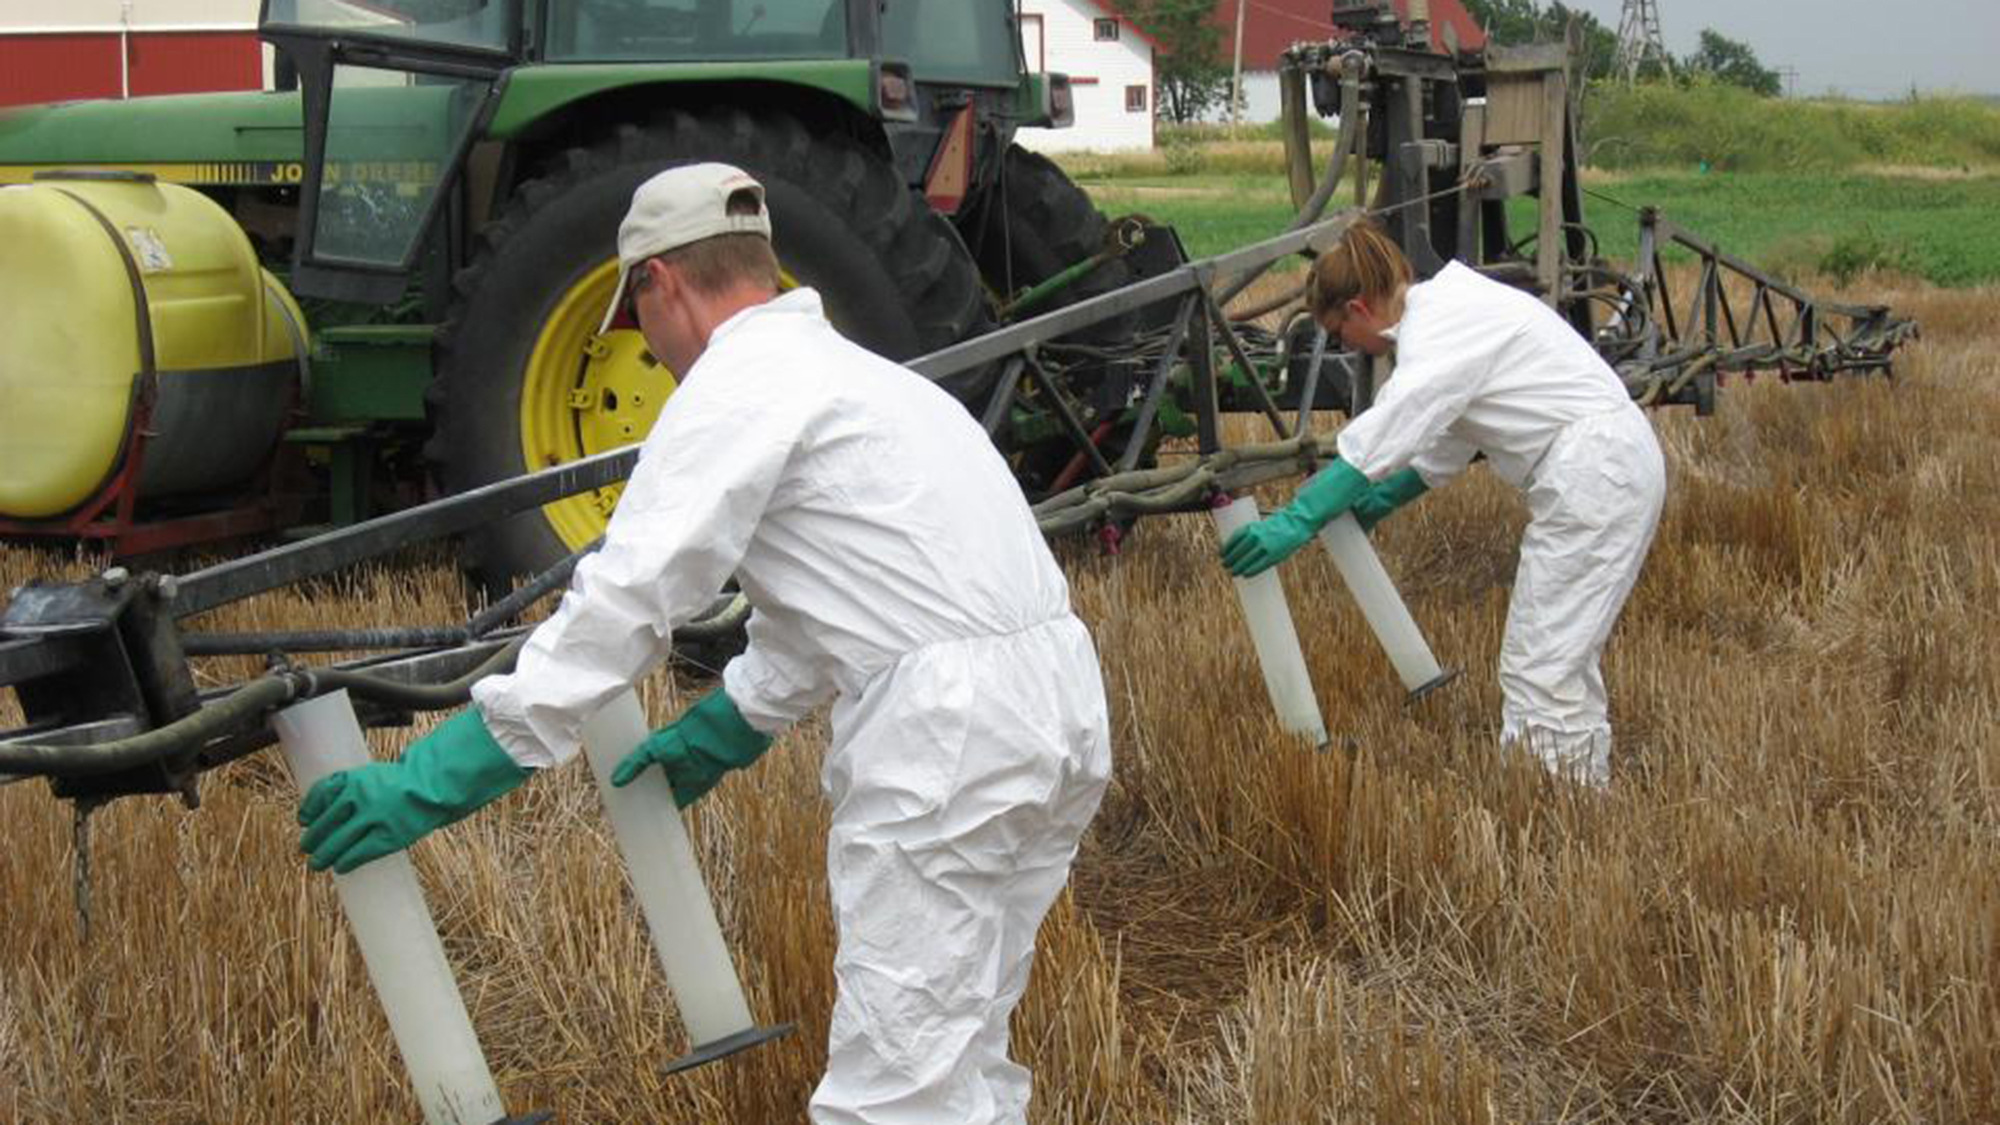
<point>1192,68</point>
<point>1716,56</point>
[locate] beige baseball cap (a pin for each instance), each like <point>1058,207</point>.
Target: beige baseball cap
<point>679,206</point>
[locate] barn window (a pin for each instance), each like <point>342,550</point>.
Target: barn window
<point>1135,99</point>
<point>1107,31</point>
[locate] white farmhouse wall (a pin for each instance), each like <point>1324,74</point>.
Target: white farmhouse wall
<point>1100,73</point>
<point>1260,97</point>
<point>1261,103</point>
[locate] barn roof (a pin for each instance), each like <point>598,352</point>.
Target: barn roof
<point>1270,26</point>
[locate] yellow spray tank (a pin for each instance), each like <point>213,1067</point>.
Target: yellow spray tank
<point>144,354</point>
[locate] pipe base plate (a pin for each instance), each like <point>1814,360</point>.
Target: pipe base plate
<point>728,1045</point>
<point>1443,678</point>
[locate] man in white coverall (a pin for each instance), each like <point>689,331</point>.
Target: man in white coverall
<point>894,568</point>
<point>1482,367</point>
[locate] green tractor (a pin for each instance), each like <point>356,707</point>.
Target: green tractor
<point>440,186</point>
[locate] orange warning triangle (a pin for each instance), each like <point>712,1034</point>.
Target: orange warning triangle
<point>950,176</point>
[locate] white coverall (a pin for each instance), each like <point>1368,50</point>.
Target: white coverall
<point>892,565</point>
<point>1485,368</point>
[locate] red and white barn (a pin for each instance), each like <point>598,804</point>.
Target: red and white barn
<point>1270,26</point>
<point>58,50</point>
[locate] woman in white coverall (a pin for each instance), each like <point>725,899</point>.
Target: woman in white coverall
<point>1485,368</point>
<point>894,568</point>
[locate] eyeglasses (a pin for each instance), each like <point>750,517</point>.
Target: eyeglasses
<point>634,285</point>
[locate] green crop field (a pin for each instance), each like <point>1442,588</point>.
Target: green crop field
<point>1943,228</point>
<point>1807,188</point>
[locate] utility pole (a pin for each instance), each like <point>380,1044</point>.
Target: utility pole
<point>125,48</point>
<point>1639,39</point>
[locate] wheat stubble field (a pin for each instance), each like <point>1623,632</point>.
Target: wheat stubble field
<point>1787,911</point>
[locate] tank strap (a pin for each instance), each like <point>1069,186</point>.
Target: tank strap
<point>142,312</point>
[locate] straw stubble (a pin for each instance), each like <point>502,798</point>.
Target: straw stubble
<point>1785,911</point>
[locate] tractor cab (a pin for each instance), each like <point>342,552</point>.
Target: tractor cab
<point>394,94</point>
<point>397,92</point>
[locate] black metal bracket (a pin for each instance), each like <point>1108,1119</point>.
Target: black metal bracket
<point>123,660</point>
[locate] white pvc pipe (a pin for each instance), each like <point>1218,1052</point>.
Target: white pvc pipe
<point>1380,604</point>
<point>1273,635</point>
<point>661,864</point>
<point>385,908</point>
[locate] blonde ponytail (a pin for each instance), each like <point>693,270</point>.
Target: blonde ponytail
<point>1366,264</point>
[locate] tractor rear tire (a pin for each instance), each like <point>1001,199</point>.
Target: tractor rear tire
<point>1040,224</point>
<point>524,381</point>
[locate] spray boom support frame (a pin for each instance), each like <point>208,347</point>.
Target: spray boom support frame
<point>58,642</point>
<point>103,668</point>
<point>100,665</point>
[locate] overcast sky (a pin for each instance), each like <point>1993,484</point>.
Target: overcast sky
<point>1861,48</point>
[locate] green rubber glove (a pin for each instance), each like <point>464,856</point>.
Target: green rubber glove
<point>370,811</point>
<point>708,740</point>
<point>1268,542</point>
<point>1386,495</point>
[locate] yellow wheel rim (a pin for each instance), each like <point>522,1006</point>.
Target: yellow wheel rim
<point>583,394</point>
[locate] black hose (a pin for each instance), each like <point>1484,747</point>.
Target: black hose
<point>239,707</point>
<point>722,617</point>
<point>320,640</point>
<point>416,697</point>
<point>1350,102</point>
<point>514,604</point>
<point>119,755</point>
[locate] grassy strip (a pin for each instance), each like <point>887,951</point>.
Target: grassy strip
<point>1728,128</point>
<point>1668,127</point>
<point>1805,187</point>
<point>1937,228</point>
